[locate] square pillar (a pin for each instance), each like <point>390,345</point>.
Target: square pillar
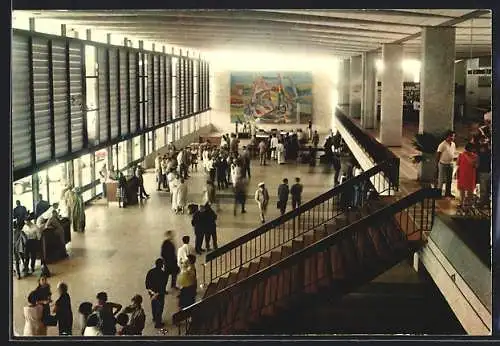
<point>391,118</point>
<point>368,105</point>
<point>356,90</point>
<point>344,84</point>
<point>437,80</point>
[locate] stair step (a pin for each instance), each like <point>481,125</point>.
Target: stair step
<point>254,268</point>
<point>221,284</point>
<point>242,274</point>
<point>275,257</point>
<point>286,251</point>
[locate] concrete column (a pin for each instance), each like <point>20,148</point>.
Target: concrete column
<point>368,105</point>
<point>356,90</point>
<point>391,118</point>
<point>437,83</point>
<point>344,84</point>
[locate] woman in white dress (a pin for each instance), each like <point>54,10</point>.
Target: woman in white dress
<point>33,317</point>
<point>182,191</point>
<point>173,182</point>
<point>280,151</point>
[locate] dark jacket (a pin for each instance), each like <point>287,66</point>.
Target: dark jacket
<point>296,191</point>
<point>137,320</point>
<point>41,207</point>
<point>204,220</point>
<point>156,280</point>
<point>20,213</point>
<point>283,191</point>
<point>64,314</point>
<point>169,256</point>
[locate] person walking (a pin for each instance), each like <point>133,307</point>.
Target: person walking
<point>315,139</point>
<point>156,281</point>
<point>103,177</point>
<point>283,191</point>
<point>137,318</point>
<point>240,194</point>
<point>182,192</point>
<point>444,160</point>
<point>33,317</point>
<point>209,217</point>
<point>20,214</point>
<point>62,310</point>
<point>188,283</point>
<point>262,152</point>
<point>106,312</point>
<point>273,146</point>
<point>245,162</point>
<point>33,235</point>
<point>280,152</point>
<point>169,259</point>
<point>484,174</point>
<point>309,130</point>
<point>209,194</point>
<point>164,171</point>
<point>20,241</point>
<point>296,192</point>
<point>174,183</point>
<point>122,191</point>
<point>466,175</point>
<point>139,172</point>
<point>159,176</point>
<point>262,199</point>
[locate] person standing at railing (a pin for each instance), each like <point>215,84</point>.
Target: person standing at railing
<point>296,192</point>
<point>358,188</point>
<point>262,199</point>
<point>188,283</point>
<point>156,281</point>
<point>283,191</point>
<point>444,160</point>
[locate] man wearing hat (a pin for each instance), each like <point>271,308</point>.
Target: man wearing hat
<point>262,198</point>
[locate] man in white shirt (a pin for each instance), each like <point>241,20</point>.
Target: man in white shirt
<point>184,251</point>
<point>33,234</point>
<point>274,145</point>
<point>446,152</point>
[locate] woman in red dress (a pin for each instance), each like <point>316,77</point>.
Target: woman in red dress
<point>466,173</point>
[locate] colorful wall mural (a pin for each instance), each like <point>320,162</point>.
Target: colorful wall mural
<point>271,97</point>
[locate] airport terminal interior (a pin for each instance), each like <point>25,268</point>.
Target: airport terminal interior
<point>133,129</point>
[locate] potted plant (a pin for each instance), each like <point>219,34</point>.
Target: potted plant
<point>427,143</point>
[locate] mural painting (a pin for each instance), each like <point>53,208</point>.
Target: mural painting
<point>271,97</point>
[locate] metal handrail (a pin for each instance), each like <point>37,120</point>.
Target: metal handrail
<point>385,213</point>
<point>376,150</point>
<point>292,215</point>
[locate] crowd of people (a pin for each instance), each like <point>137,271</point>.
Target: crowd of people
<point>473,167</point>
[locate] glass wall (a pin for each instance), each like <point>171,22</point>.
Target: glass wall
<point>91,87</point>
<point>58,178</point>
<point>137,148</point>
<point>22,191</point>
<point>160,138</point>
<point>149,142</point>
<point>123,159</point>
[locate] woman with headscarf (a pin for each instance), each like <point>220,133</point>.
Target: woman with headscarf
<point>182,191</point>
<point>78,211</point>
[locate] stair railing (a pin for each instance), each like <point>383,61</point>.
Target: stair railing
<point>293,224</point>
<point>257,293</point>
<point>376,150</point>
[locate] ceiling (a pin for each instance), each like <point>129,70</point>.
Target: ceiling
<point>341,33</point>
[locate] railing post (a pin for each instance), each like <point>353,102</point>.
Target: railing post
<point>294,226</point>
<point>241,255</point>
<point>211,271</point>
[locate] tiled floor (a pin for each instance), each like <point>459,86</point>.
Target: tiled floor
<point>120,245</point>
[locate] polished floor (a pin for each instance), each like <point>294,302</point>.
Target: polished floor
<point>120,245</point>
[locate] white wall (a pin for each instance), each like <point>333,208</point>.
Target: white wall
<point>324,73</point>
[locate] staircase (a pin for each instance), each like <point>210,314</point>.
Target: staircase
<point>327,211</point>
<point>318,268</point>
